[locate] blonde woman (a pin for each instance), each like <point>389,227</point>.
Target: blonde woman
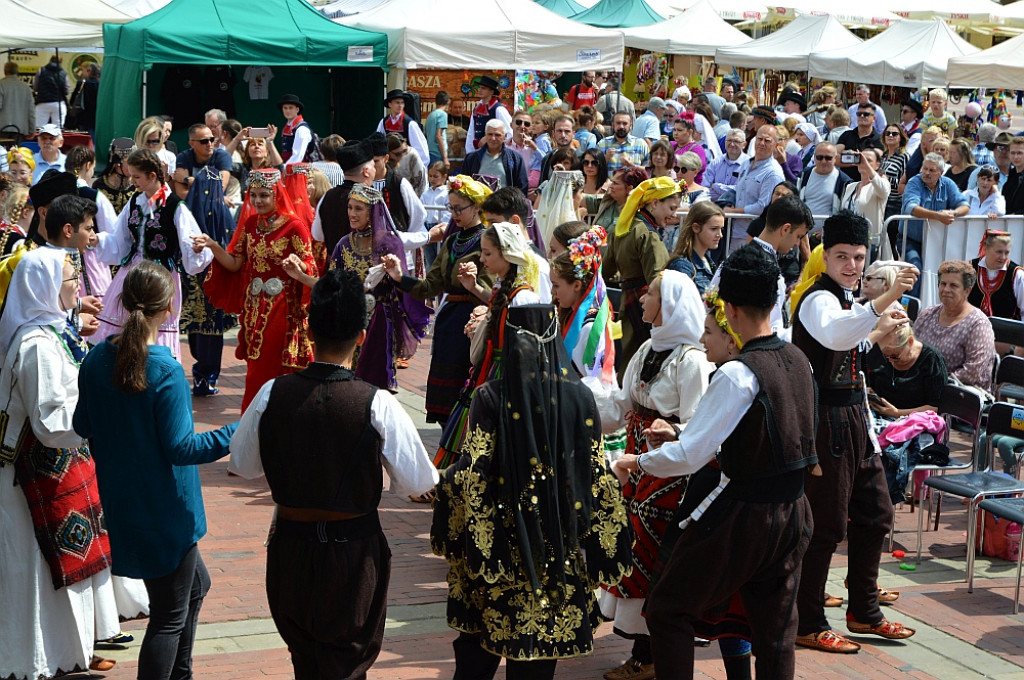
<point>150,135</point>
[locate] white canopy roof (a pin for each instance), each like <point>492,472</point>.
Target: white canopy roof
<point>908,54</point>
<point>1013,14</point>
<point>23,28</point>
<point>732,10</point>
<point>999,66</point>
<point>79,12</point>
<point>697,31</point>
<point>790,47</point>
<point>344,8</point>
<point>488,35</point>
<point>137,8</point>
<point>957,11</point>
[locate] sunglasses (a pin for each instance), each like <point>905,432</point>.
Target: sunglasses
<point>823,158</point>
<point>520,121</point>
<point>864,114</point>
<point>152,142</point>
<point>205,140</point>
<point>892,133</point>
<point>587,161</point>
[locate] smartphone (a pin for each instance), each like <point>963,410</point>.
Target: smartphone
<point>259,132</point>
<point>844,157</point>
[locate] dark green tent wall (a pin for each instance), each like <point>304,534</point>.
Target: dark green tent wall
<point>311,56</point>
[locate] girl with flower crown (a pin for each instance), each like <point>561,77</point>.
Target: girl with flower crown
<point>665,379</point>
<point>454,274</point>
<point>584,308</point>
<point>155,225</point>
<point>249,279</point>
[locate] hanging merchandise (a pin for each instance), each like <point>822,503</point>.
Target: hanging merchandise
<point>653,77</point>
<point>259,78</point>
<point>534,88</point>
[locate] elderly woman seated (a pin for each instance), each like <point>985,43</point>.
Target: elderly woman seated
<point>911,378</point>
<point>957,329</point>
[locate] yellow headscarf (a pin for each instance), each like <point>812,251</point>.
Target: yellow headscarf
<point>645,192</point>
<point>716,306</point>
<point>813,270</point>
<point>20,153</point>
<point>466,186</point>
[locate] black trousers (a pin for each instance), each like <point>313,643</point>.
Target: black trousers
<point>327,586</point>
<point>174,604</point>
<point>473,662</point>
<point>754,549</point>
<point>207,351</point>
<point>849,500</point>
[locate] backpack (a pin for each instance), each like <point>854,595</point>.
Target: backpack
<point>313,153</point>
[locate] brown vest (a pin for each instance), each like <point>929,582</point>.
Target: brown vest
<point>836,373</point>
<point>318,447</point>
<point>775,438</point>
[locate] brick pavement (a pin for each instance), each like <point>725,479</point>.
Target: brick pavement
<point>960,635</point>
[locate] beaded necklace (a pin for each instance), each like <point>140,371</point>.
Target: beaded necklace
<point>464,242</point>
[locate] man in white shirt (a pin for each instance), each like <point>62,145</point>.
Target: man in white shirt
<point>327,489</point>
<point>850,498</point>
<point>49,155</point>
<point>648,124</point>
<point>821,186</point>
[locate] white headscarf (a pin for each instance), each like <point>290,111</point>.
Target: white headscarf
<point>707,135</point>
<point>682,313</point>
<point>517,250</point>
<point>33,298</point>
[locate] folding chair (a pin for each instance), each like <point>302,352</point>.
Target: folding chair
<point>1013,510</point>
<point>1009,331</point>
<point>1009,380</point>
<point>1003,419</point>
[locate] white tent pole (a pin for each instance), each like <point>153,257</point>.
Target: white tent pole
<point>145,89</point>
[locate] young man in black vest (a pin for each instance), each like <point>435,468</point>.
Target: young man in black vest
<point>401,122</point>
<point>850,499</point>
<point>405,206</point>
<point>759,409</point>
<point>322,437</point>
<point>331,221</point>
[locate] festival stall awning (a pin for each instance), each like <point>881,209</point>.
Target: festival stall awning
<point>908,54</point>
<point>346,8</point>
<point>619,14</point>
<point>137,8</point>
<point>697,31</point>
<point>495,35</point>
<point>565,8</point>
<point>94,12</point>
<point>999,66</point>
<point>956,11</point>
<point>790,47</point>
<point>24,28</point>
<point>870,14</point>
<point>744,11</point>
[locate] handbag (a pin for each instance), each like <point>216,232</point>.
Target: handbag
<point>77,107</point>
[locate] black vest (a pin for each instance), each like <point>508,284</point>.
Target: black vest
<point>776,435</point>
<point>482,118</point>
<point>1004,302</point>
<point>394,201</point>
<point>317,445</point>
<point>160,240</point>
<point>333,211</point>
<point>837,374</point>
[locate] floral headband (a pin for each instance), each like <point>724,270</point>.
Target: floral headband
<point>716,306</point>
<point>585,252</point>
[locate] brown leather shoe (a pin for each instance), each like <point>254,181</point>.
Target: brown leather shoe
<point>631,670</point>
<point>890,630</point>
<point>828,641</point>
<point>101,664</point>
<point>833,601</point>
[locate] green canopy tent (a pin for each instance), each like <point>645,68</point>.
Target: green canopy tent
<point>290,36</point>
<point>567,8</point>
<point>619,14</point>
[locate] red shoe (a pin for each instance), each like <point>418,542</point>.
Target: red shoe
<point>890,630</point>
<point>828,641</point>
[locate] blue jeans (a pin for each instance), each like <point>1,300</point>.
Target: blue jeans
<point>174,604</point>
<point>913,256</point>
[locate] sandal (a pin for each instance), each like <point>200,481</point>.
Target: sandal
<point>890,630</point>
<point>101,664</point>
<point>401,363</point>
<point>828,641</point>
<point>887,596</point>
<point>833,601</point>
<point>427,497</point>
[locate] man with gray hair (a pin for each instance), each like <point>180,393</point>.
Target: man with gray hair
<point>497,160</point>
<point>648,124</point>
<point>711,92</point>
<point>214,120</point>
<point>863,96</point>
<point>17,106</point>
<point>723,126</point>
<point>723,172</point>
<point>930,196</point>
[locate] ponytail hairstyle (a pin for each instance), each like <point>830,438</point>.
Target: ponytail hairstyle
<point>147,161</point>
<point>501,296</point>
<point>147,292</point>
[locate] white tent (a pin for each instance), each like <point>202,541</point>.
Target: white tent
<point>999,66</point>
<point>956,11</point>
<point>1013,14</point>
<point>95,12</point>
<point>23,28</point>
<point>732,10</point>
<point>697,31</point>
<point>492,35</point>
<point>344,8</point>
<point>909,54</point>
<point>137,8</point>
<point>790,47</point>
